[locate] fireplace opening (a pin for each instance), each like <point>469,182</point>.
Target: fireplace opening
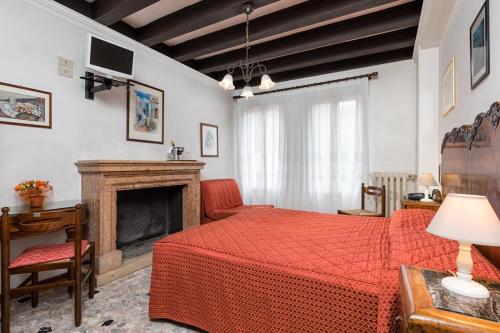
<point>145,215</point>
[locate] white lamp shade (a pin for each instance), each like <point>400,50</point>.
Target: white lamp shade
<point>247,92</point>
<point>467,219</point>
<point>426,179</point>
<point>227,82</point>
<point>266,83</point>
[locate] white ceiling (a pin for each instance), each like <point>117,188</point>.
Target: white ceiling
<point>156,11</point>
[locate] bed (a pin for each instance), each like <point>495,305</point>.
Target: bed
<point>281,270</point>
<point>278,270</point>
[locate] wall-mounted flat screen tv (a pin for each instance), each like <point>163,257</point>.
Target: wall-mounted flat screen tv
<point>109,58</point>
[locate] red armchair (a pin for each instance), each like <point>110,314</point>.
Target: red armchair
<point>221,198</point>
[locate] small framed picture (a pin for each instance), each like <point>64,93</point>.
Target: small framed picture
<point>480,47</point>
<point>448,88</point>
<point>25,106</point>
<point>209,137</point>
<point>145,113</point>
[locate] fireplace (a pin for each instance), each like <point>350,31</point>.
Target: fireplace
<point>107,184</point>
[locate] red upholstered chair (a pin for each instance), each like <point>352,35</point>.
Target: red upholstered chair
<point>221,198</point>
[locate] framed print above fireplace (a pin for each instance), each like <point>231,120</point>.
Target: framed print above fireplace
<point>480,47</point>
<point>145,113</point>
<point>209,137</point>
<point>25,106</point>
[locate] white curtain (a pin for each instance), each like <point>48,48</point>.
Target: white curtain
<point>304,149</point>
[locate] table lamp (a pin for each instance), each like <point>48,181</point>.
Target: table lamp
<point>468,219</point>
<point>426,179</point>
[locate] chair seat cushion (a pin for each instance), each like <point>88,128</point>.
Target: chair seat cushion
<point>47,253</point>
<point>360,212</point>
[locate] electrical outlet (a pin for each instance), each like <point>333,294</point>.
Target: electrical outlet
<point>66,72</point>
<point>66,62</point>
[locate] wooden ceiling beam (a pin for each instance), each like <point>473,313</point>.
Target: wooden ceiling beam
<point>190,18</point>
<point>109,12</point>
<point>294,17</point>
<point>337,66</point>
<point>82,7</point>
<point>385,21</point>
<point>372,45</point>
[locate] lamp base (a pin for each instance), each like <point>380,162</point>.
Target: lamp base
<point>465,287</point>
<point>426,200</point>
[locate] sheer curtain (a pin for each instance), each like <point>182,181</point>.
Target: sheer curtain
<point>304,149</point>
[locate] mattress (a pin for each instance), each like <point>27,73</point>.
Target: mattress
<point>278,270</point>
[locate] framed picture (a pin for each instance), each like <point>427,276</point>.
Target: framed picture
<point>25,106</point>
<point>448,88</point>
<point>209,137</point>
<point>480,47</point>
<point>145,113</point>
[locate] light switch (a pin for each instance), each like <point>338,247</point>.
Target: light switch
<point>65,67</point>
<point>63,71</point>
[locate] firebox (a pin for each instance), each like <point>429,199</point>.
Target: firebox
<point>144,215</point>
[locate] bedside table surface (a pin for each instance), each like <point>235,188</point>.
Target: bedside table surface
<point>408,204</point>
<point>418,313</point>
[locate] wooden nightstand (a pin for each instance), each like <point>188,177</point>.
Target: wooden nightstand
<point>418,314</point>
<point>408,204</point>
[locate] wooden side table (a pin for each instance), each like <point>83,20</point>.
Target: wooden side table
<point>409,204</point>
<point>418,314</point>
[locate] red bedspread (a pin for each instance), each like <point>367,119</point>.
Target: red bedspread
<point>283,271</point>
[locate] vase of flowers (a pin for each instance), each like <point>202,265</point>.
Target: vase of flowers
<point>34,192</point>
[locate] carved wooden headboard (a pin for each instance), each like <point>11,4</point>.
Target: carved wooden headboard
<point>471,163</point>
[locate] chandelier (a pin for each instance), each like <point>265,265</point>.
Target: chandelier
<point>247,68</point>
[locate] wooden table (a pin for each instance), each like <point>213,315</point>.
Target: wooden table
<point>409,204</point>
<point>68,206</point>
<point>418,314</point>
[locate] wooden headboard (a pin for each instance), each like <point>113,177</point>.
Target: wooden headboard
<point>470,163</point>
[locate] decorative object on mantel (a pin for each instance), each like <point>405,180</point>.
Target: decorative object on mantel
<point>34,192</point>
<point>448,88</point>
<point>209,137</point>
<point>106,83</point>
<point>247,68</point>
<point>480,47</point>
<point>25,106</point>
<point>145,113</point>
<point>476,307</point>
<point>176,153</point>
<point>467,219</point>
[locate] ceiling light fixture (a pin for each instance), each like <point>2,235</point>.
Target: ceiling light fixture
<point>247,68</point>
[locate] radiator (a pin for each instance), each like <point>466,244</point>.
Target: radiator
<point>396,185</point>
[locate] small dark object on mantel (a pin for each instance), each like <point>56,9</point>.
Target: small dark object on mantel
<point>106,84</point>
<point>107,322</point>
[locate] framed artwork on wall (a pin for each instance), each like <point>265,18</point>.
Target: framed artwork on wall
<point>145,113</point>
<point>448,88</point>
<point>480,47</point>
<point>209,139</point>
<point>25,106</point>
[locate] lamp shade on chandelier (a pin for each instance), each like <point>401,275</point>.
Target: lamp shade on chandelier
<point>247,68</point>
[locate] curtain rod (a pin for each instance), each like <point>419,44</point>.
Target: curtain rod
<point>370,76</point>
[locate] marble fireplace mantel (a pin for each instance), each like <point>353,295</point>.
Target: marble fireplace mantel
<point>102,179</point>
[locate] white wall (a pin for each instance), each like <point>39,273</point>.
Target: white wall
<point>455,43</point>
<point>428,112</point>
<point>32,39</point>
<point>392,114</point>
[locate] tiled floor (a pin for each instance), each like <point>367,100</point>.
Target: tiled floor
<point>124,301</point>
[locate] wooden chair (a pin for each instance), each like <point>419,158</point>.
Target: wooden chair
<point>70,256</point>
<point>368,190</point>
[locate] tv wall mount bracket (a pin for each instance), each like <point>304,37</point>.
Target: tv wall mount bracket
<point>106,83</point>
